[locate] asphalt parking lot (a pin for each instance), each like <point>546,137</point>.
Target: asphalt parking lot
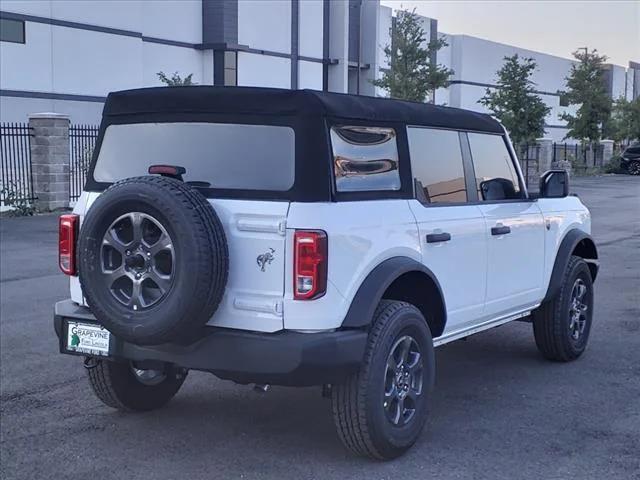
<point>499,410</point>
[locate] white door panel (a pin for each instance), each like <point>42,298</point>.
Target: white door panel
<point>515,259</point>
<point>460,263</point>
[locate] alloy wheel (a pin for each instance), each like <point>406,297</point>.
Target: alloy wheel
<point>137,260</point>
<point>403,381</point>
<point>578,309</point>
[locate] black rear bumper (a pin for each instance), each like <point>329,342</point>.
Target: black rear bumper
<point>282,358</point>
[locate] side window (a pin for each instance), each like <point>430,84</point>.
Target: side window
<point>365,158</point>
<point>436,162</point>
<point>496,177</point>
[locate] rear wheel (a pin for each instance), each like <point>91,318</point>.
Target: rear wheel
<point>123,386</point>
<point>380,411</point>
<point>561,326</point>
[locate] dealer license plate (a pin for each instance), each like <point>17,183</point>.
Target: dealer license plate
<point>88,338</point>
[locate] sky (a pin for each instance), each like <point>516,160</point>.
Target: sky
<point>557,27</point>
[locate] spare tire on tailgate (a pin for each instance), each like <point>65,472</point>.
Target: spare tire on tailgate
<point>153,260</point>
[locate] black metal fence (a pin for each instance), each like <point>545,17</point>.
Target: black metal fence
<point>82,140</point>
<point>529,156</point>
<point>16,176</point>
<point>581,156</point>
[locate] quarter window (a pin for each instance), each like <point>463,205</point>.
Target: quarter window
<point>11,30</point>
<point>365,158</point>
<point>436,162</point>
<point>496,177</point>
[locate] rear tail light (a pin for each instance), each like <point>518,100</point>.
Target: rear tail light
<point>310,264</point>
<point>68,229</point>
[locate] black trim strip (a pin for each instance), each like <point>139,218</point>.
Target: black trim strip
<point>489,85</point>
<point>94,28</point>
<point>52,96</point>
<point>295,30</point>
<point>325,45</point>
<point>161,41</point>
<point>172,43</point>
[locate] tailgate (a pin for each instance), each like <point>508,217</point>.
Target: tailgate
<point>255,230</point>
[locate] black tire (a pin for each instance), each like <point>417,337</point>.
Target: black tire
<point>359,404</point>
<point>199,259</point>
<point>552,321</point>
<point>634,167</point>
<point>115,384</point>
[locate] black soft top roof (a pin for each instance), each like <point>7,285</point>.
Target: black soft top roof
<point>283,102</point>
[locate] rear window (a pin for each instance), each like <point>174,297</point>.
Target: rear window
<point>228,156</point>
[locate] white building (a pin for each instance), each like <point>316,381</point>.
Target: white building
<point>66,55</point>
<point>475,62</point>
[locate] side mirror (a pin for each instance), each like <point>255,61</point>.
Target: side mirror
<point>554,184</point>
<point>497,189</point>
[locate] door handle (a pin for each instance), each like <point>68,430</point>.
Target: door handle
<point>500,230</point>
<point>438,237</point>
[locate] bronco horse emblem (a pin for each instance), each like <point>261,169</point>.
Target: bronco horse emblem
<point>265,259</point>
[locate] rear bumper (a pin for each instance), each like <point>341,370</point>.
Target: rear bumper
<point>282,358</point>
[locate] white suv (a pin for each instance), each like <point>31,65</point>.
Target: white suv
<point>308,238</point>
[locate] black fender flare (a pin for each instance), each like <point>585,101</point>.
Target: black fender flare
<point>370,293</point>
<point>574,238</point>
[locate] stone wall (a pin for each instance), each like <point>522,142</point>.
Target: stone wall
<point>50,160</point>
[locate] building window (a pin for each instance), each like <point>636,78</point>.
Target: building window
<point>365,159</point>
<point>231,68</point>
<point>436,162</point>
<point>11,30</point>
<point>564,100</point>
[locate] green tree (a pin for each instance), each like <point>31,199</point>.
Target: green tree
<point>624,123</point>
<point>514,101</point>
<point>175,80</point>
<point>586,88</point>
<point>411,75</point>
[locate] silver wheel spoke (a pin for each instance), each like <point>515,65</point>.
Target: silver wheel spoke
<point>399,411</point>
<point>162,281</point>
<point>114,275</point>
<point>404,350</point>
<point>136,293</point>
<point>136,224</point>
<point>163,243</point>
<point>415,362</point>
<point>113,241</point>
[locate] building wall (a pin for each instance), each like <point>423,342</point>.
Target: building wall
<point>89,48</point>
<point>77,51</point>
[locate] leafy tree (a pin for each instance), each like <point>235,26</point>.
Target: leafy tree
<point>175,80</point>
<point>624,123</point>
<point>514,101</point>
<point>411,75</point>
<point>586,88</point>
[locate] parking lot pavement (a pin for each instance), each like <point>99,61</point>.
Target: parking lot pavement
<point>499,410</point>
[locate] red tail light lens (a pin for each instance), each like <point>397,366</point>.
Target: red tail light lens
<point>68,228</point>
<point>310,264</point>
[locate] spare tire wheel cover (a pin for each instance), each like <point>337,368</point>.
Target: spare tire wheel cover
<point>153,260</point>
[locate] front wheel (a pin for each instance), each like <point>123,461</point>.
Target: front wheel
<point>123,386</point>
<point>562,325</point>
<point>380,411</point>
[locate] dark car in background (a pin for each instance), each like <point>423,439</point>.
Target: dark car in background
<point>631,158</point>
